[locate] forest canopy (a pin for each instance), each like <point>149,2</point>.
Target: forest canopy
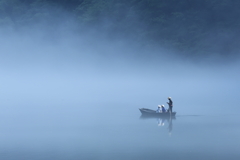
<point>188,26</point>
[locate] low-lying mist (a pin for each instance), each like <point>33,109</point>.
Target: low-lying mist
<point>40,71</point>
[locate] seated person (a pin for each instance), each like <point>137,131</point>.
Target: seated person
<point>159,110</point>
<point>163,109</point>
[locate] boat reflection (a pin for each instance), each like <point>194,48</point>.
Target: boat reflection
<point>162,121</point>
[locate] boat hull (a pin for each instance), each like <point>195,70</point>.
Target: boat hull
<point>150,112</point>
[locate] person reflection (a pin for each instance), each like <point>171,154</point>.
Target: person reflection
<point>161,122</point>
<point>170,126</point>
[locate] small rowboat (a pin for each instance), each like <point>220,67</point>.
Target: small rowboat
<point>150,112</point>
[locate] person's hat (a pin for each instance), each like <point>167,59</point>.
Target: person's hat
<point>162,105</point>
<point>159,106</point>
<point>169,97</point>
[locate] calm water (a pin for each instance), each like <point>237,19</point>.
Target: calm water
<point>65,132</point>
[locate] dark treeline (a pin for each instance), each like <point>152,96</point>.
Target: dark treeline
<point>189,26</point>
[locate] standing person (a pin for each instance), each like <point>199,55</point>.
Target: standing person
<point>170,104</point>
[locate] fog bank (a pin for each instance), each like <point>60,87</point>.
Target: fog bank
<point>41,70</point>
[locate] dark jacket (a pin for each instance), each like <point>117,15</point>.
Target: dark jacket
<point>170,103</point>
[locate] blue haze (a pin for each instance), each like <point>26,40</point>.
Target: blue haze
<point>78,98</point>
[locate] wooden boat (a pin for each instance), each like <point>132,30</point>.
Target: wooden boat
<point>150,112</point>
<point>149,116</point>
